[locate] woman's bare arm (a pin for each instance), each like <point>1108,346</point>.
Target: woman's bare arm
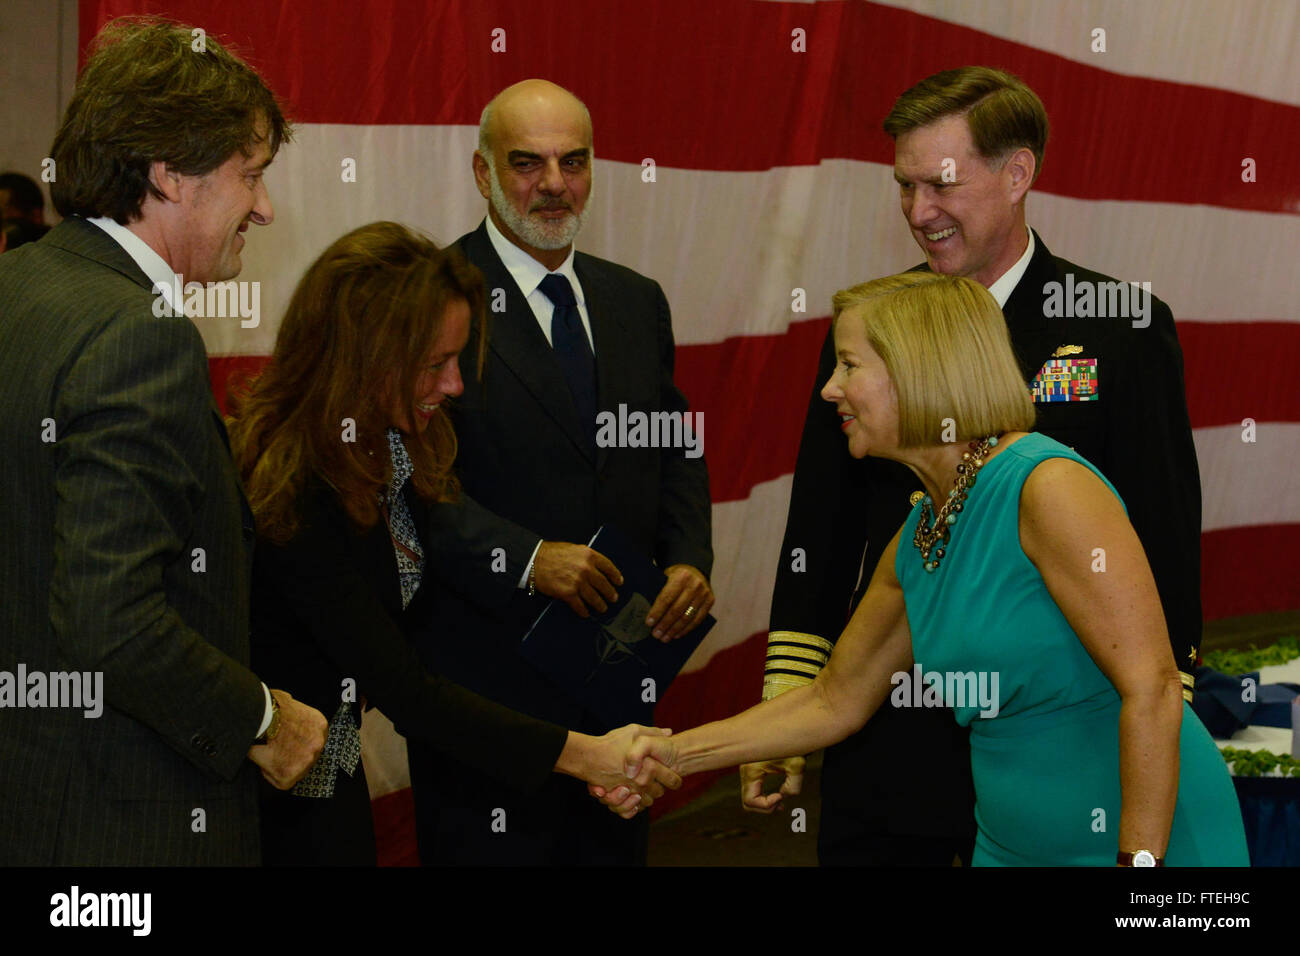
<point>1076,533</point>
<point>875,645</point>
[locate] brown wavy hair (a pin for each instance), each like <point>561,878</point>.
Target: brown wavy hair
<point>361,322</point>
<point>152,92</point>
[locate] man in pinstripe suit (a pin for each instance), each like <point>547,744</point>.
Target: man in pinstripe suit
<point>124,537</point>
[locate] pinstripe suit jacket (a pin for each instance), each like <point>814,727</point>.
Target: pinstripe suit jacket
<point>116,473</point>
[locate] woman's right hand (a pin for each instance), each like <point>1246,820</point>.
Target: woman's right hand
<point>617,770</point>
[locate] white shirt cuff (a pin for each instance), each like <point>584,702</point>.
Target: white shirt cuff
<point>523,578</point>
<point>266,719</point>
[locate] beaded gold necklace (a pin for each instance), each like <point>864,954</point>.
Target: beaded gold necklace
<point>932,535</point>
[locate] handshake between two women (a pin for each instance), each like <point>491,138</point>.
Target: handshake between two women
<point>652,761</point>
<point>617,769</point>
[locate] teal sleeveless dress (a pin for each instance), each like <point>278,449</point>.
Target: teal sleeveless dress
<point>1046,761</point>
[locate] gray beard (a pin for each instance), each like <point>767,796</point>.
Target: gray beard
<point>537,233</point>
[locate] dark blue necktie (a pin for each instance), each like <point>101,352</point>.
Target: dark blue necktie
<point>569,341</point>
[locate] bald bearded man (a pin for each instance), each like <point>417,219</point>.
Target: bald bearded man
<point>578,335</point>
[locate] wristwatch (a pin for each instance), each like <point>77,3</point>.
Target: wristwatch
<point>273,727</point>
<point>1139,858</point>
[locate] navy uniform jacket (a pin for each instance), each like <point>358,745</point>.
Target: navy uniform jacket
<point>909,771</point>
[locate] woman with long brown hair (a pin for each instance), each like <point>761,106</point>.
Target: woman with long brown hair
<point>342,446</point>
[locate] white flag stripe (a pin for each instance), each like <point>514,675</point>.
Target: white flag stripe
<point>746,537</point>
<point>417,175</point>
<point>1249,483</point>
<point>1205,42</point>
<point>383,755</point>
<point>730,247</point>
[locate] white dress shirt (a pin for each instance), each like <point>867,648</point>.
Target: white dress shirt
<point>1006,284</point>
<point>528,274</point>
<point>154,266</point>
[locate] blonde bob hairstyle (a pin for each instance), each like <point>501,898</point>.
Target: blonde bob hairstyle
<point>944,342</point>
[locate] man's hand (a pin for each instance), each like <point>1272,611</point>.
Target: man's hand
<point>682,604</point>
<point>287,758</point>
<point>577,575</point>
<point>751,783</point>
<point>624,785</point>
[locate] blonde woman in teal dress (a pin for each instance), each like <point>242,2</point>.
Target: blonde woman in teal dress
<point>1026,580</point>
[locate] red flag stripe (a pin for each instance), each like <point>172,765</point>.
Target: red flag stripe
<point>229,372</point>
<point>1249,570</point>
<point>1233,372</point>
<point>1240,370</point>
<point>718,85</point>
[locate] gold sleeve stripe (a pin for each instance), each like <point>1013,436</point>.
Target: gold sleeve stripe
<point>794,659</point>
<point>775,685</point>
<point>1189,684</point>
<point>800,638</point>
<point>796,652</point>
<point>788,666</point>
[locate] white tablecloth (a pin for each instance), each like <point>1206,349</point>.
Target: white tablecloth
<point>1273,739</point>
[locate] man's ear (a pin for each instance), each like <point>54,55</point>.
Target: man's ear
<point>166,180</point>
<point>482,177</point>
<point>1020,169</point>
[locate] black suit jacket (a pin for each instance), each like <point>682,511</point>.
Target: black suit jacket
<point>529,475</point>
<point>844,511</point>
<point>124,548</point>
<point>327,606</point>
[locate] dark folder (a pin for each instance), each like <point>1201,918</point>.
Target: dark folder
<point>606,661</point>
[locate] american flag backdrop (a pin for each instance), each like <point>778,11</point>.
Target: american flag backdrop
<point>1174,160</point>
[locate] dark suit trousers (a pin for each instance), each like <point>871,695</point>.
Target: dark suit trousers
<point>855,846</point>
<point>918,759</point>
<point>467,819</point>
<point>319,831</point>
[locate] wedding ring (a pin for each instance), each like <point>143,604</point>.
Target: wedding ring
<point>689,611</point>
